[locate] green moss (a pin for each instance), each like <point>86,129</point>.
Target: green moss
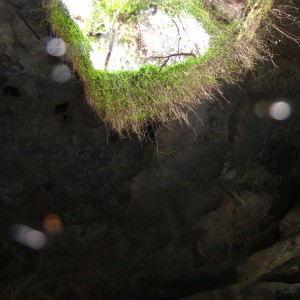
<point>128,100</point>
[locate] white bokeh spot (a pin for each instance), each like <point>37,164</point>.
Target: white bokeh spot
<point>28,236</point>
<point>56,47</point>
<point>61,73</point>
<point>280,110</point>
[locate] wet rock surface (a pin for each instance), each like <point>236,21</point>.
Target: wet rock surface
<point>209,211</point>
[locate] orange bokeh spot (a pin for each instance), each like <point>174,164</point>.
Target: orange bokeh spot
<point>52,223</point>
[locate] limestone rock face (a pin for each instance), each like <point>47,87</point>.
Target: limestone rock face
<point>209,211</point>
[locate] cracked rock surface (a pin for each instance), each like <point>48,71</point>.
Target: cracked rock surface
<point>209,211</point>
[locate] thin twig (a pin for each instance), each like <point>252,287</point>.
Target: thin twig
<point>178,31</point>
<point>172,55</point>
<point>111,45</point>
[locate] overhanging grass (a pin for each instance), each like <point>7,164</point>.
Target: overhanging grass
<point>127,101</point>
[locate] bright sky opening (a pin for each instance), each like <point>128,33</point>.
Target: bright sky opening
<point>162,36</point>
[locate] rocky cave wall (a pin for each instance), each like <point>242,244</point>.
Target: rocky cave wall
<point>209,211</point>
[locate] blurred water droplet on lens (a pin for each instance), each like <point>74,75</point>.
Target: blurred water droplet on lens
<point>35,239</point>
<point>18,232</point>
<point>61,73</point>
<point>280,110</point>
<point>56,47</point>
<point>28,236</point>
<point>261,109</point>
<point>53,223</point>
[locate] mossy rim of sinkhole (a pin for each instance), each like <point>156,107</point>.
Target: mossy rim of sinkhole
<point>131,100</point>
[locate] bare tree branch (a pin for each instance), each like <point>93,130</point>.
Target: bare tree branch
<point>111,45</point>
<point>172,55</point>
<point>184,29</point>
<point>179,36</point>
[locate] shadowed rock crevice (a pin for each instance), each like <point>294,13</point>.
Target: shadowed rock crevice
<point>11,91</point>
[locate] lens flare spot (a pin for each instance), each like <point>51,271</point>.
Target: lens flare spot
<point>280,110</point>
<point>35,239</point>
<point>53,223</point>
<point>261,109</point>
<point>61,73</point>
<point>56,47</point>
<point>28,236</point>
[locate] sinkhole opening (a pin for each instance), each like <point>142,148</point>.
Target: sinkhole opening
<point>149,62</point>
<point>128,34</point>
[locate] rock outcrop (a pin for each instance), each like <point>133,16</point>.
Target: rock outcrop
<point>209,211</point>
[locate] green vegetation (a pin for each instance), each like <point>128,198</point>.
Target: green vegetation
<point>130,100</point>
<point>108,13</point>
